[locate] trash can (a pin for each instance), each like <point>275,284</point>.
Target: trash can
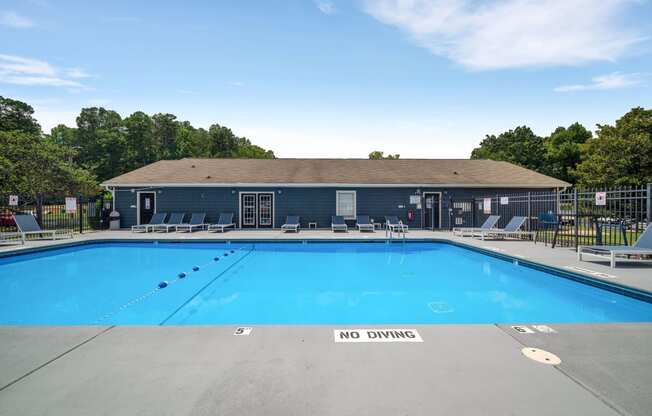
<point>114,220</point>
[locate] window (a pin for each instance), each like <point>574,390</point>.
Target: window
<point>345,204</point>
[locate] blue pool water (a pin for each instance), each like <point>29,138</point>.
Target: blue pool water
<point>293,283</point>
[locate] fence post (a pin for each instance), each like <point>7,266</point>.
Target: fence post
<point>80,212</point>
<point>39,210</point>
<point>649,203</point>
<point>529,211</point>
<point>577,216</point>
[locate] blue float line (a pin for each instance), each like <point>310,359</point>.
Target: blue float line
<point>207,284</point>
<point>159,288</point>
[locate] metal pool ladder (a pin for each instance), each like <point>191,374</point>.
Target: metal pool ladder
<point>389,233</point>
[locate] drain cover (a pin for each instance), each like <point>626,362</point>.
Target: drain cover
<point>541,356</point>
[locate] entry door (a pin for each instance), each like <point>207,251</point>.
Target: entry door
<point>147,205</point>
<point>257,209</point>
<point>248,210</point>
<point>265,210</point>
<point>431,212</point>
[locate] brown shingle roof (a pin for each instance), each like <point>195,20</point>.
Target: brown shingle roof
<point>449,172</point>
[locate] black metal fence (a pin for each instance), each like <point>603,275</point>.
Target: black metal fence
<point>53,214</point>
<point>573,217</point>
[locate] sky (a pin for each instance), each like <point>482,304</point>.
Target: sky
<point>335,78</point>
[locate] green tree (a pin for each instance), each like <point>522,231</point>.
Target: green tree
<point>102,143</point>
<point>34,167</point>
<point>378,155</point>
<point>519,146</point>
<point>621,154</point>
<point>17,116</point>
<point>563,151</point>
<point>141,147</point>
<point>165,135</point>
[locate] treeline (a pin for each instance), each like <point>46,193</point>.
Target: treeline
<point>617,155</point>
<point>109,145</point>
<point>103,145</point>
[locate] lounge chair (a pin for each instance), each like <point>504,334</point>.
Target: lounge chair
<point>363,223</point>
<point>27,225</point>
<point>12,238</point>
<point>338,223</point>
<point>225,221</point>
<point>642,247</point>
<point>291,223</point>
<point>157,219</point>
<point>470,231</point>
<point>392,223</point>
<point>196,222</point>
<point>175,220</point>
<point>512,229</point>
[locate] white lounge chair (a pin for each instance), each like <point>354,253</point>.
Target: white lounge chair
<point>363,223</point>
<point>225,221</point>
<point>642,248</point>
<point>27,225</point>
<point>157,219</point>
<point>512,229</point>
<point>392,223</point>
<point>176,219</point>
<point>338,223</point>
<point>196,222</point>
<point>291,224</point>
<point>471,231</point>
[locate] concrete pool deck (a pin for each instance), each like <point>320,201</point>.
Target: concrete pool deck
<point>300,370</point>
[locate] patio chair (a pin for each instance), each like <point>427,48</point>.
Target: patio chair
<point>196,222</point>
<point>338,223</point>
<point>642,248</point>
<point>291,224</point>
<point>27,225</point>
<point>488,224</point>
<point>225,221</point>
<point>12,238</point>
<point>392,223</point>
<point>512,229</point>
<point>363,223</point>
<point>157,219</point>
<point>175,220</point>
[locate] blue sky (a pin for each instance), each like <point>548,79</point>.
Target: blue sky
<point>335,78</point>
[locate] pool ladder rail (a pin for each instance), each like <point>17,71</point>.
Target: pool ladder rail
<point>389,233</point>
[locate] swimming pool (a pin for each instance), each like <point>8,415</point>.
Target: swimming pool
<point>293,283</point>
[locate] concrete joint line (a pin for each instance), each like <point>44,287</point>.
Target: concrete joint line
<point>29,373</point>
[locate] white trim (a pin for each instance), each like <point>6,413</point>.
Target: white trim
<point>256,193</point>
<point>424,208</point>
<point>327,185</point>
<point>355,203</point>
<point>138,204</point>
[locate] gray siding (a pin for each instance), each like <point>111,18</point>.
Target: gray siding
<point>311,204</point>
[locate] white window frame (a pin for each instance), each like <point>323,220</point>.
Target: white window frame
<point>355,204</point>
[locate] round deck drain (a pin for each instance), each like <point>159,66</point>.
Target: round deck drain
<point>541,356</point>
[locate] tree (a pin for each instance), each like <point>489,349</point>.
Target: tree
<point>34,167</point>
<point>563,151</point>
<point>620,154</point>
<point>378,155</point>
<point>519,146</point>
<point>165,134</point>
<point>141,147</point>
<point>17,116</point>
<point>64,136</point>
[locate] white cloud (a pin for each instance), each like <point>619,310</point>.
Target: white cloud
<point>19,70</point>
<point>13,19</point>
<point>512,33</point>
<point>78,73</point>
<point>606,82</point>
<point>326,7</point>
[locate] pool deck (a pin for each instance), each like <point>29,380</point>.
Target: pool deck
<point>300,370</point>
